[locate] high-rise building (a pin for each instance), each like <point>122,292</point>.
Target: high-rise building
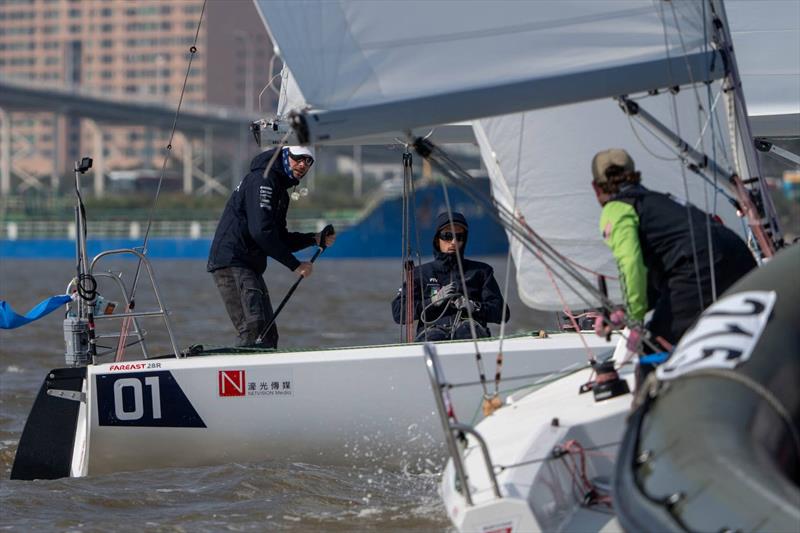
<point>127,49</point>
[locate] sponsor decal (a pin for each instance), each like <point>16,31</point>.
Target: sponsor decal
<point>116,367</point>
<point>231,382</point>
<point>260,382</point>
<point>144,399</point>
<point>265,196</point>
<point>724,336</point>
<point>503,527</point>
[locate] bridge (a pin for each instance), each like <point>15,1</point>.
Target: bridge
<point>195,119</point>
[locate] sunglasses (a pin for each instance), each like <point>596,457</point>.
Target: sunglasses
<point>449,236</point>
<point>307,159</point>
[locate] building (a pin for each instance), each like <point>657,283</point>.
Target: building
<point>126,49</point>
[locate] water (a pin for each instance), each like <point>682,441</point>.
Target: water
<point>344,303</point>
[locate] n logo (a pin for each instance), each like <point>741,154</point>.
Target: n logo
<point>231,383</point>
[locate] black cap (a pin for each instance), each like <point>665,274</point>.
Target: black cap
<point>443,220</point>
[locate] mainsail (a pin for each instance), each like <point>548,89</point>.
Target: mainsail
<point>366,67</point>
<point>766,35</point>
<point>546,72</point>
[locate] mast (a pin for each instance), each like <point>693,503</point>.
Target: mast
<point>764,221</point>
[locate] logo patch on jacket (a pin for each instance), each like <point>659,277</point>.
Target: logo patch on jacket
<point>265,196</point>
<point>607,231</point>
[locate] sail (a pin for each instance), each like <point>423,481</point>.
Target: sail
<point>539,165</point>
<point>766,36</point>
<point>365,67</point>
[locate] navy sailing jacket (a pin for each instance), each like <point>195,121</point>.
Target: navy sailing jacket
<point>481,288</point>
<point>253,224</point>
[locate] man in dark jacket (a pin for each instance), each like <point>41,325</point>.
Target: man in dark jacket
<point>252,227</point>
<point>443,309</point>
<point>661,265</point>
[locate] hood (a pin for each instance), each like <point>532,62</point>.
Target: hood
<point>443,220</point>
<point>259,163</point>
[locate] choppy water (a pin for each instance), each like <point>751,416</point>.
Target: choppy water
<point>345,303</point>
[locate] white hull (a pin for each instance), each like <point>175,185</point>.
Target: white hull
<point>539,494</point>
<point>368,405</point>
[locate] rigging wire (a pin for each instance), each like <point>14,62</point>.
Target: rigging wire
<point>674,107</point>
<point>701,129</point>
<point>473,333</point>
<point>127,320</point>
<point>527,236</point>
<point>498,366</point>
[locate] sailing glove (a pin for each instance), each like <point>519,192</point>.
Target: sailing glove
<point>464,303</point>
<point>443,294</point>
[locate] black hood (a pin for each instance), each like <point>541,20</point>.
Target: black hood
<point>442,221</point>
<point>261,161</point>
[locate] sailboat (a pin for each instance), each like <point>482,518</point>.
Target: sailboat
<point>130,409</point>
<point>660,79</point>
<point>553,459</point>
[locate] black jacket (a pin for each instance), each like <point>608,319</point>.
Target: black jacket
<point>673,274</point>
<point>253,224</point>
<point>665,237</point>
<point>481,288</point>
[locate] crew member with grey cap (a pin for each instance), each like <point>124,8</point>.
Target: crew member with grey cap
<point>253,227</point>
<point>442,308</point>
<point>650,236</point>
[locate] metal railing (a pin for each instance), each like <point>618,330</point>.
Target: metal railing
<point>162,310</point>
<point>451,428</point>
<point>126,229</point>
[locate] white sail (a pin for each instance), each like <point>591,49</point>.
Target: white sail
<point>542,159</point>
<point>766,35</point>
<point>368,67</point>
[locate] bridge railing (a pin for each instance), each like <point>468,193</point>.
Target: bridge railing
<point>184,229</point>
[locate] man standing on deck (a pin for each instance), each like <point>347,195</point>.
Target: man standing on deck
<point>661,267</point>
<point>252,227</point>
<point>443,310</point>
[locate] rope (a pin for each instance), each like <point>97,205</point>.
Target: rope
<point>500,468</point>
<point>498,366</point>
<point>132,303</point>
<point>701,128</point>
<point>473,333</point>
<point>529,238</point>
<point>676,118</point>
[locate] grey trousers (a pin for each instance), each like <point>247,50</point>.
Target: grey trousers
<point>247,302</point>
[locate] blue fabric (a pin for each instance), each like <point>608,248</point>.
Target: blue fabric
<point>10,320</point>
<point>654,358</point>
<point>286,166</point>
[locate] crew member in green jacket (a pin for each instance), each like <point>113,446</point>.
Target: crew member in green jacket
<point>650,236</point>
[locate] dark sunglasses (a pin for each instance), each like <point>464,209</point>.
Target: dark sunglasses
<point>307,159</point>
<point>449,236</point>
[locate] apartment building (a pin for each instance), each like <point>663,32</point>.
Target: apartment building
<point>126,49</point>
